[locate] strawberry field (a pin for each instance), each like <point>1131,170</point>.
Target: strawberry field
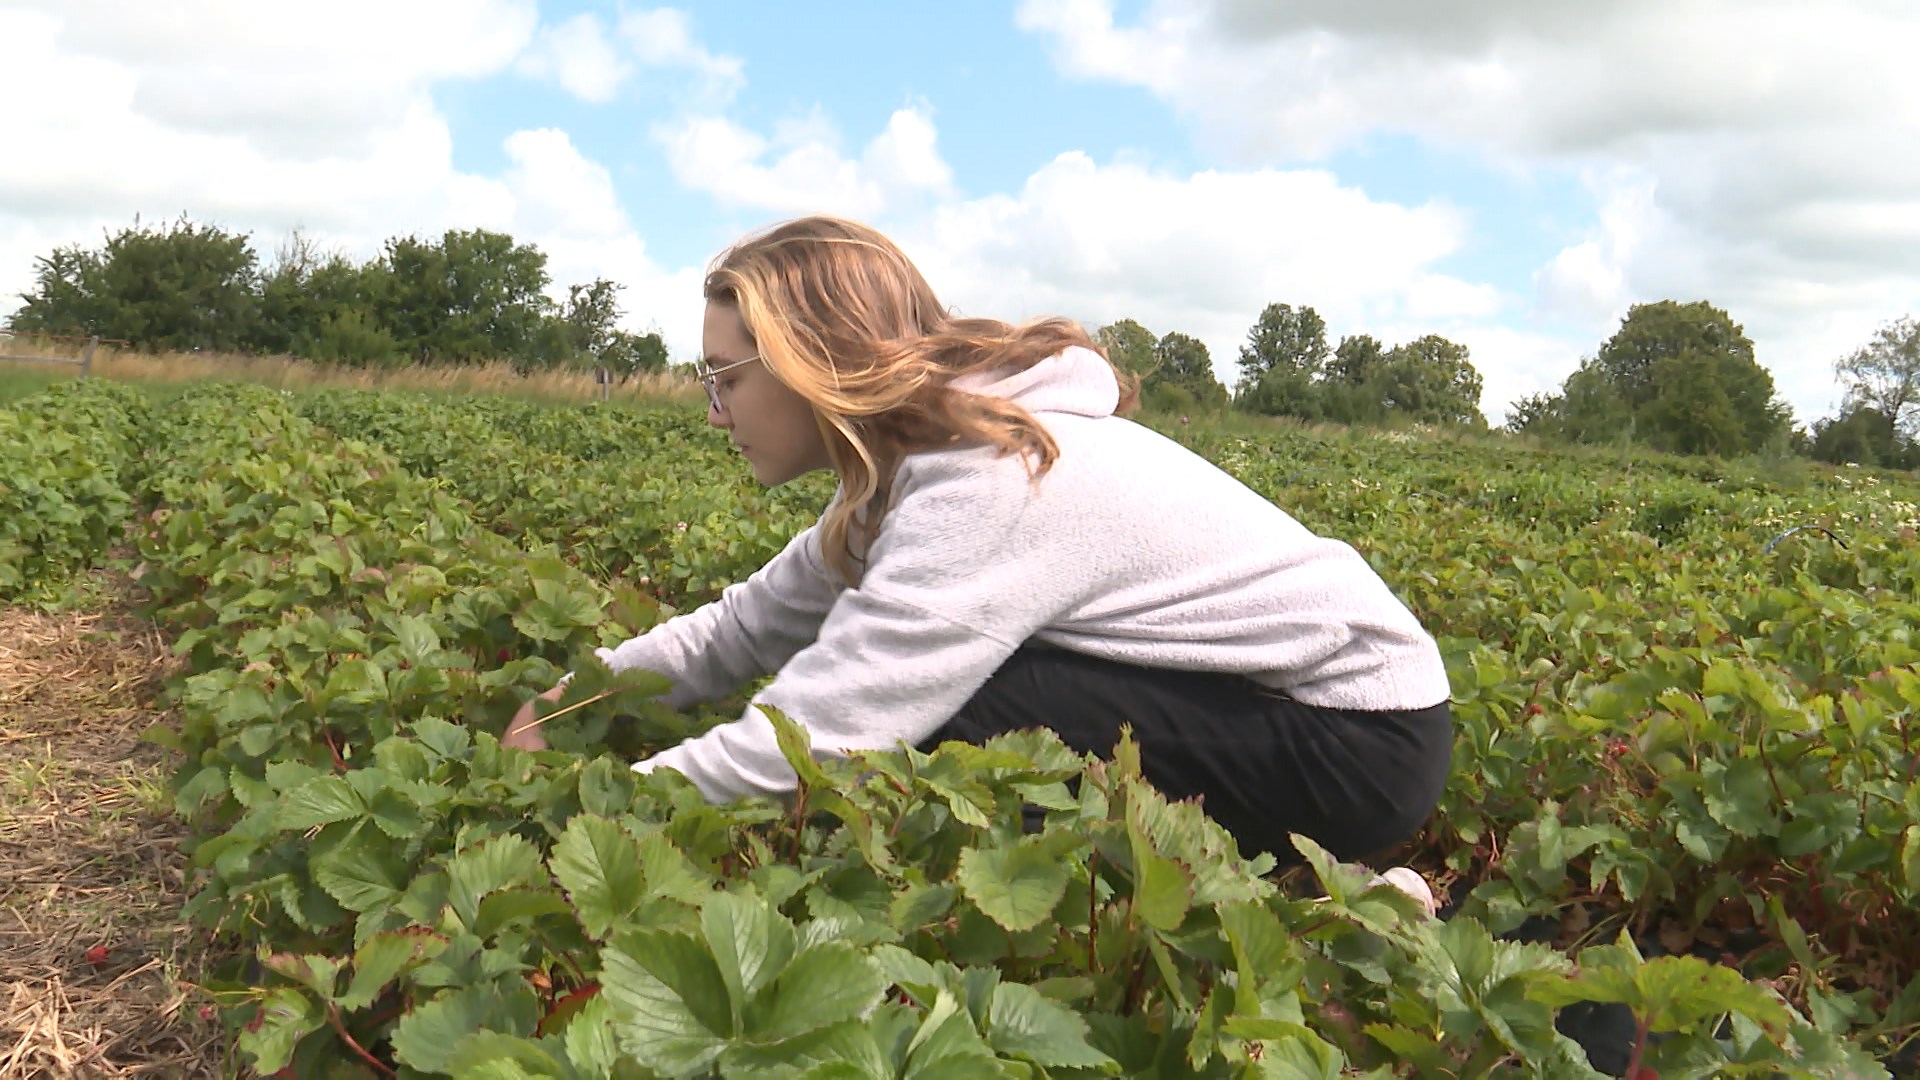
<point>1681,797</point>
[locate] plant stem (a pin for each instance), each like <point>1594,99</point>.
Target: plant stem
<point>333,1017</point>
<point>1639,1048</point>
<point>1093,910</point>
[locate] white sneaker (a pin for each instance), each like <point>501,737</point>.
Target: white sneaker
<point>1410,882</point>
<point>1407,881</point>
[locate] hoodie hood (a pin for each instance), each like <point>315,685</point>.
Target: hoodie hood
<point>1075,380</point>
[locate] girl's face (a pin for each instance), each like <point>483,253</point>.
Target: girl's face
<point>771,425</point>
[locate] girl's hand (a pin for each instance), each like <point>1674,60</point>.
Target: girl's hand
<point>521,732</point>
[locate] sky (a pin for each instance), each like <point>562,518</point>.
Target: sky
<point>1511,174</point>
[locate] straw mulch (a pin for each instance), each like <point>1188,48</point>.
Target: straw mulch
<point>95,959</point>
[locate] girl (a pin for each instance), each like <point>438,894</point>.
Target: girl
<point>1005,551</point>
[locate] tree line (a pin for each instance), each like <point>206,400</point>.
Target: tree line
<point>1288,369</point>
<point>1679,377</point>
<point>465,297</point>
<point>1682,377</point>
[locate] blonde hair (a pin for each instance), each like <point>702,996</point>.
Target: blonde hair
<point>841,315</point>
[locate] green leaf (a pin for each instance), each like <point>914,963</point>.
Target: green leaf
<point>1016,886</point>
<point>242,704</point>
<point>1910,858</point>
<point>493,864</point>
<point>316,973</point>
<point>598,862</point>
<point>751,943</point>
<point>490,1055</point>
<point>1738,795</point>
<point>396,815</point>
<point>918,905</point>
<point>947,1046</point>
<point>428,1037</point>
<point>286,1016</point>
<point>669,1003</point>
<point>1670,993</point>
<point>823,985</point>
<point>510,906</point>
<point>606,787</point>
<point>256,740</point>
<point>321,801</point>
<point>360,874</point>
<point>449,741</point>
<point>1025,1025</point>
<point>383,958</point>
<point>670,874</point>
<point>592,1046</point>
<point>1162,889</point>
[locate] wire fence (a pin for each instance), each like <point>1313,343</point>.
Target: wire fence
<point>87,346</point>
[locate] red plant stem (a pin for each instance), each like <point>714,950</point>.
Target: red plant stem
<point>564,957</point>
<point>1329,920</point>
<point>333,1017</point>
<point>1093,912</point>
<point>799,821</point>
<point>1639,1048</point>
<point>339,762</point>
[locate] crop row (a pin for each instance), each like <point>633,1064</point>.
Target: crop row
<point>1678,733</point>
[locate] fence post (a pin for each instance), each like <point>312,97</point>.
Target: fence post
<point>86,357</point>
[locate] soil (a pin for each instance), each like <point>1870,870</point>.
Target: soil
<point>96,960</point>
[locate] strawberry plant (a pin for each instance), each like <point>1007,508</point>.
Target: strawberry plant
<point>1681,786</point>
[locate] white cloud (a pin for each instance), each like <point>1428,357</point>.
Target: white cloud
<point>1440,296</point>
<point>373,169</point>
<point>593,62</point>
<point>578,55</point>
<point>663,37</point>
<point>800,169</point>
<point>567,204</point>
<point>306,80</point>
<point>1203,253</point>
<point>1756,153</point>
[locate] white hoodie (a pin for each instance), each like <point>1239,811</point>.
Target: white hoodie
<point>1131,547</point>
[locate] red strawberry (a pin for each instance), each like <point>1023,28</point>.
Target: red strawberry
<point>97,955</point>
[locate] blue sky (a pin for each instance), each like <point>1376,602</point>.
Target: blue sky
<point>1513,176</point>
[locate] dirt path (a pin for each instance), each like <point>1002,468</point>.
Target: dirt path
<point>93,950</point>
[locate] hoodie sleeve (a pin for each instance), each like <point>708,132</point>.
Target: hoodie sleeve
<point>752,630</point>
<point>943,603</point>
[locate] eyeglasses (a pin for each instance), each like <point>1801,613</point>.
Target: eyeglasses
<point>708,374</point>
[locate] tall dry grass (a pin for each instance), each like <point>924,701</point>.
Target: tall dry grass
<point>292,373</point>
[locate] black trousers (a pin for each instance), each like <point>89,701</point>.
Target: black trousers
<point>1261,764</point>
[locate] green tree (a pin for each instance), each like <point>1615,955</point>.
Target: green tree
<point>1669,353</point>
<point>1884,376</point>
<point>182,287</point>
<point>588,325</point>
<point>1131,347</point>
<point>1183,364</point>
<point>1536,414</point>
<point>470,297</point>
<point>1431,380</point>
<point>65,297</point>
<point>1358,359</point>
<point>1863,435</point>
<point>1677,377</point>
<point>1286,339</point>
<point>321,306</point>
